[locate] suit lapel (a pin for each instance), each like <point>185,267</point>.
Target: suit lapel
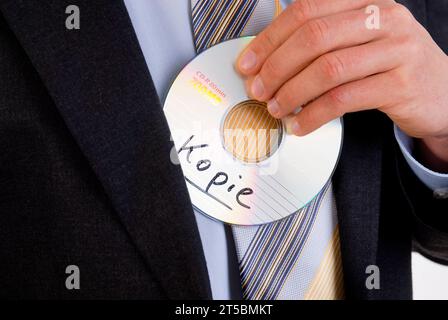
<point>99,81</point>
<point>357,184</point>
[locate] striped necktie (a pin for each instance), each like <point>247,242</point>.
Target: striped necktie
<point>297,257</point>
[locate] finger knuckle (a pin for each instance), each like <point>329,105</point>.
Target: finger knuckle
<point>399,13</point>
<point>302,10</point>
<point>338,98</point>
<point>269,40</point>
<point>316,32</point>
<point>332,67</point>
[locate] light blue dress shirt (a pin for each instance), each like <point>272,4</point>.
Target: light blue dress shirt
<point>164,32</point>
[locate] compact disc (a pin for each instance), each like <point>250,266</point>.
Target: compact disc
<point>240,165</point>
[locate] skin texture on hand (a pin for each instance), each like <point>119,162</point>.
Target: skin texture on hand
<point>321,55</point>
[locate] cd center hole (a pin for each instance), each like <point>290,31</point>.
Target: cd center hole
<point>250,133</point>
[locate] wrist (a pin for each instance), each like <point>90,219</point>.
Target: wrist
<point>433,153</point>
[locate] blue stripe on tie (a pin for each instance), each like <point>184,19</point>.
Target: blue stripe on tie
<point>295,252</point>
<point>281,276</point>
<point>263,270</point>
<point>263,263</point>
<point>265,231</point>
<point>205,43</point>
<point>278,235</point>
<point>207,22</point>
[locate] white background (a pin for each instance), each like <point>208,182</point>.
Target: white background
<point>430,279</point>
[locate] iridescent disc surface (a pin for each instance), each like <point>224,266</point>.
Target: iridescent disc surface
<point>224,186</point>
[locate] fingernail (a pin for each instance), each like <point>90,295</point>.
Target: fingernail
<point>273,106</point>
<point>295,128</point>
<point>257,88</point>
<point>248,60</point>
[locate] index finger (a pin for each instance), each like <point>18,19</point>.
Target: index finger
<point>293,17</point>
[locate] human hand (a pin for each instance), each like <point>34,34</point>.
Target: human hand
<point>319,54</point>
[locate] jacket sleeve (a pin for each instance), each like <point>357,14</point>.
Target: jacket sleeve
<point>429,214</point>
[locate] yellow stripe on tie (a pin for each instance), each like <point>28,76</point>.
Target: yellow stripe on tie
<point>328,283</point>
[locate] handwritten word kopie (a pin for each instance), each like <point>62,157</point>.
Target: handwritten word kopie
<point>219,180</point>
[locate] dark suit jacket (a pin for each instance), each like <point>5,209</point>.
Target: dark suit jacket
<point>86,178</point>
